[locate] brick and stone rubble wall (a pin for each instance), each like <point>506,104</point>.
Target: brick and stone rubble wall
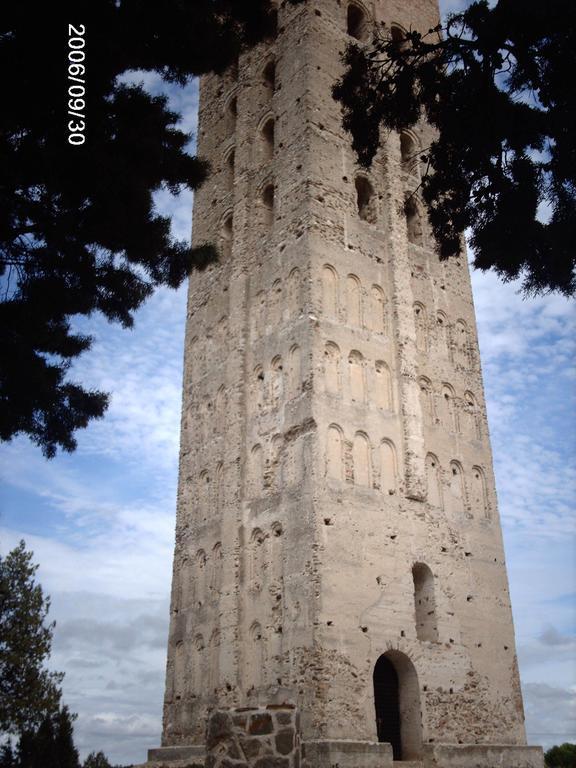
<point>253,737</point>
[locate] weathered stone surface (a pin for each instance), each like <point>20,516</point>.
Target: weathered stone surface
<point>220,728</point>
<point>482,756</point>
<point>260,724</point>
<point>346,754</point>
<point>285,742</point>
<point>272,762</point>
<point>251,747</point>
<point>285,718</point>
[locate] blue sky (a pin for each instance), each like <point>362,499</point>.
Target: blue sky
<point>101,521</point>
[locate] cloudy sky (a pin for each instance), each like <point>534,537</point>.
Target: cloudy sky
<point>101,522</point>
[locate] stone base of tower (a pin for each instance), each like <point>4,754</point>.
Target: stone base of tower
<point>269,737</point>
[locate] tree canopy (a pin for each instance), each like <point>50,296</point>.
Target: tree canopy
<point>79,232</point>
<point>29,694</point>
<point>494,83</point>
<point>562,756</point>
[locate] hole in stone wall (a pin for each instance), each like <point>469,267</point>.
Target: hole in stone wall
<point>269,75</point>
<point>268,139</point>
<point>398,36</point>
<point>227,235</point>
<point>409,153</point>
<point>232,114</point>
<point>229,170</point>
<point>268,203</point>
<point>424,603</point>
<point>365,200</point>
<point>413,222</point>
<point>356,22</point>
<point>273,24</point>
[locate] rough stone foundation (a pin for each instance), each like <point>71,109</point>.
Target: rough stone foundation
<point>269,737</point>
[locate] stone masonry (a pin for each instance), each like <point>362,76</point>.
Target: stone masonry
<point>338,544</point>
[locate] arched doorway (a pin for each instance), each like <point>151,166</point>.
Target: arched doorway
<point>387,704</point>
<point>397,705</point>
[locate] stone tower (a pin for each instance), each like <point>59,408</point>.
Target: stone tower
<point>338,546</point>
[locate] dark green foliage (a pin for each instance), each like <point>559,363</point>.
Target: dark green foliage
<point>28,692</point>
<point>78,230</point>
<point>51,745</point>
<point>7,757</point>
<point>96,760</point>
<point>497,87</point>
<point>563,756</point>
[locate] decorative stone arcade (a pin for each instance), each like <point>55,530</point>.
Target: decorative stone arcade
<point>339,575</point>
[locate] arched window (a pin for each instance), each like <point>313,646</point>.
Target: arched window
<point>256,656</point>
<point>427,401</point>
<point>276,381</point>
<point>433,481</point>
<point>388,468</point>
<point>295,372</point>
<point>219,487</point>
<point>216,569</point>
<point>294,462</point>
<point>332,368</point>
<point>361,459</point>
<point>377,316</point>
<point>294,301</point>
<point>365,200</point>
<point>480,492</point>
<point>449,412</point>
<point>275,469</point>
<point>268,204</point>
<point>267,135</point>
<point>334,453</point>
<point>227,235</point>
<point>269,76</point>
<point>398,35</point>
<point>198,663</point>
<point>383,389</point>
<point>413,222</point>
<point>257,559</point>
<point>258,315</point>
<point>200,578</point>
<point>330,292</point>
<point>421,322</point>
<point>442,331</point>
<point>473,416</point>
<point>275,305</point>
<point>256,470</point>
<point>461,346</point>
<point>457,488</point>
<point>204,492</point>
<point>356,370</point>
<point>424,603</point>
<point>214,661</point>
<point>409,152</point>
<point>356,22</point>
<point>276,554</point>
<point>259,389</point>
<point>229,162</point>
<point>231,115</point>
<point>353,301</point>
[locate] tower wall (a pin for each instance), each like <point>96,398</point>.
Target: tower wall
<point>336,496</point>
